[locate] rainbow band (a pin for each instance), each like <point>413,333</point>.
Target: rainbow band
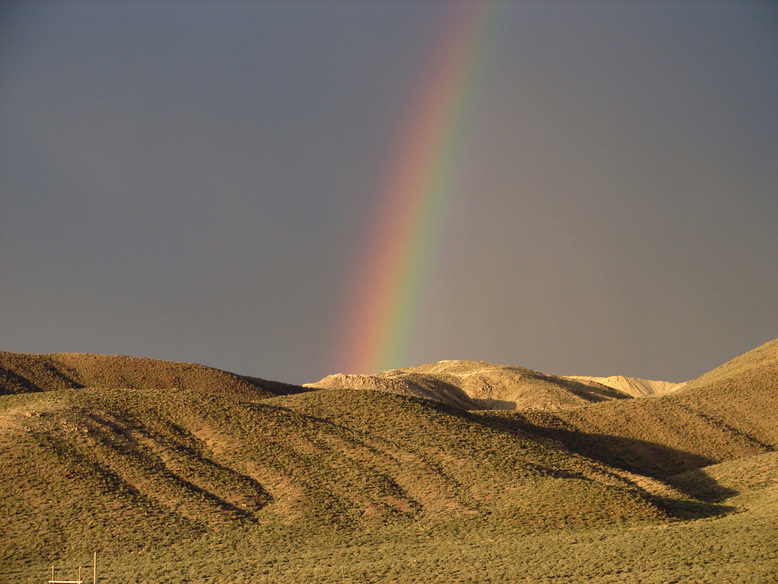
<point>414,202</point>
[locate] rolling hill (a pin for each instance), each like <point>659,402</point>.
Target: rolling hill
<point>723,415</point>
<point>455,471</point>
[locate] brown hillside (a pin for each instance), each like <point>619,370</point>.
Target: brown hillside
<point>630,385</point>
<point>129,469</point>
<point>725,414</point>
<point>24,373</point>
<point>477,385</point>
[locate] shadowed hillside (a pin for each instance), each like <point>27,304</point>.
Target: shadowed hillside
<point>725,414</point>
<point>474,385</point>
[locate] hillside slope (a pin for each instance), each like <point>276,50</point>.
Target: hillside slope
<point>124,469</point>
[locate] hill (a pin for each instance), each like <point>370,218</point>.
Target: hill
<point>120,469</point>
<point>23,373</point>
<point>176,472</point>
<point>476,385</point>
<point>723,415</point>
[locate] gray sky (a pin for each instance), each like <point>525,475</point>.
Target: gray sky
<point>194,181</point>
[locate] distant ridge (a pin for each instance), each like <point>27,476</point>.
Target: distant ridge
<point>630,385</point>
<point>25,373</point>
<point>477,385</point>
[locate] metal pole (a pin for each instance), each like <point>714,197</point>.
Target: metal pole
<point>94,569</point>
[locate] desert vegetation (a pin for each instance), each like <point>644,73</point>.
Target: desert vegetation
<point>182,473</point>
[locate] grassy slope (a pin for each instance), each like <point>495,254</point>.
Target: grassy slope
<point>123,469</point>
<point>740,547</point>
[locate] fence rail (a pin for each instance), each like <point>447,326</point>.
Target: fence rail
<point>79,581</point>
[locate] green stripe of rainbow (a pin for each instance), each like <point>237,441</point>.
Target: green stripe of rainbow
<point>414,200</point>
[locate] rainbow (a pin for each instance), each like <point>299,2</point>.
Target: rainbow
<point>413,200</point>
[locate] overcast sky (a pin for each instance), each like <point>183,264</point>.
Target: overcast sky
<point>195,181</point>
